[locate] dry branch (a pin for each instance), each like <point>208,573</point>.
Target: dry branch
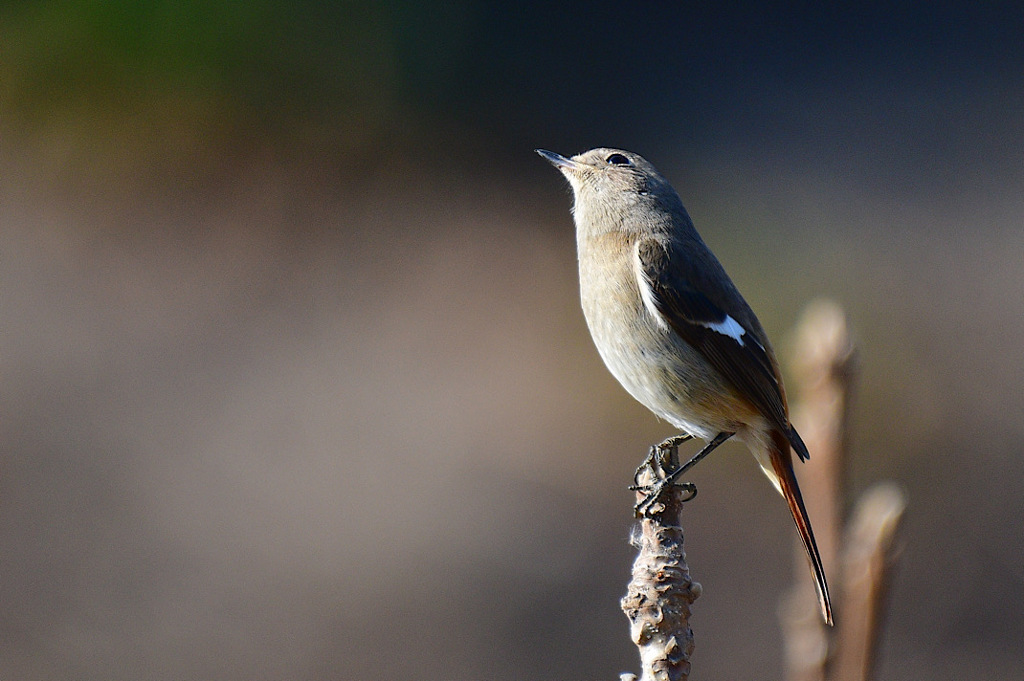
<point>660,593</point>
<point>823,366</point>
<point>868,563</point>
<point>858,562</point>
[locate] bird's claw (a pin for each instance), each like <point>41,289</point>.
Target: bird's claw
<point>643,508</point>
<point>663,462</point>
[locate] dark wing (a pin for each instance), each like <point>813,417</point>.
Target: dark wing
<point>731,348</point>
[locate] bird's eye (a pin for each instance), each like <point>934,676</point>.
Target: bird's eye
<point>619,160</point>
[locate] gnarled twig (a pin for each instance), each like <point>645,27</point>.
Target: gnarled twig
<point>658,600</point>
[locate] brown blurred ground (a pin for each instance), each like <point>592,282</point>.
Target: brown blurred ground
<point>278,424</point>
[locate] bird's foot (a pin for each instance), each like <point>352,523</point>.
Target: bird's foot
<point>662,463</point>
<point>643,508</point>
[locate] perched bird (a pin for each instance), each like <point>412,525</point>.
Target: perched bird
<point>671,326</point>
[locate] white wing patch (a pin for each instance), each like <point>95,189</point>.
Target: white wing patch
<point>646,294</point>
<point>729,327</point>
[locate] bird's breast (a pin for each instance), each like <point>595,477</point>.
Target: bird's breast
<point>657,367</point>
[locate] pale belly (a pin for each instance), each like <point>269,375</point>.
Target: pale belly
<point>655,366</point>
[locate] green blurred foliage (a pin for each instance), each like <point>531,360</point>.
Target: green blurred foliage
<point>337,71</point>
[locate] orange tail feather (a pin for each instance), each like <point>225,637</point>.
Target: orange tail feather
<point>782,462</point>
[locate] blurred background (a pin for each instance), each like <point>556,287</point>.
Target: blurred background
<point>295,381</point>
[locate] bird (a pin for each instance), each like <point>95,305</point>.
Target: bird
<point>672,327</point>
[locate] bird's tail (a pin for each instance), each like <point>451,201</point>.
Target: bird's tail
<point>782,463</point>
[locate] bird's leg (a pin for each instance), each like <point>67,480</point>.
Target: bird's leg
<point>670,448</point>
<point>708,448</point>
